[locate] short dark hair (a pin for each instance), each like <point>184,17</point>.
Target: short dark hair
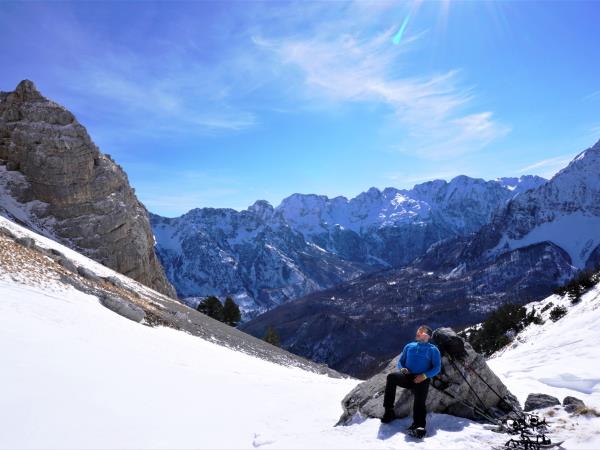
<point>427,329</point>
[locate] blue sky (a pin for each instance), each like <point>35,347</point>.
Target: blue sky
<point>223,103</point>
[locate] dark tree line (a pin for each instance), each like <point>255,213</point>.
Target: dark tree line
<point>227,312</point>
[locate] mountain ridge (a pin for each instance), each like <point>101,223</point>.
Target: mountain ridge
<point>456,282</point>
<point>264,256</point>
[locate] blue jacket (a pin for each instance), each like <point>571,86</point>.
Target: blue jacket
<point>421,357</point>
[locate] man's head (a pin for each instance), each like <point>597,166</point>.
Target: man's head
<point>424,333</point>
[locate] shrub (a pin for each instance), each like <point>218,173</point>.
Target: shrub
<point>557,313</point>
<point>576,287</point>
<point>272,337</point>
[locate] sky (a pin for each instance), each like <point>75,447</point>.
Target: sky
<point>219,104</point>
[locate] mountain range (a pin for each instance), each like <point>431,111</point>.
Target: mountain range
<point>266,256</point>
<point>537,241</point>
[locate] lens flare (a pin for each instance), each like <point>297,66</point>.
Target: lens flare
<point>398,36</point>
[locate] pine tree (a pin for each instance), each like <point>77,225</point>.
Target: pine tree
<point>231,312</point>
<point>212,307</point>
<point>272,337</point>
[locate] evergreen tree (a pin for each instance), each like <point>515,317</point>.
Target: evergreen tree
<point>231,312</point>
<point>272,337</point>
<point>501,326</point>
<point>212,307</point>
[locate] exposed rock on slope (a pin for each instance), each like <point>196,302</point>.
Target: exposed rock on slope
<point>56,181</point>
<point>366,399</point>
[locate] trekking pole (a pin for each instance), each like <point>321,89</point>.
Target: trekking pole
<point>485,408</point>
<point>475,409</point>
<point>518,413</point>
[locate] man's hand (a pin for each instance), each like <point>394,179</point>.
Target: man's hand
<point>420,378</point>
<point>404,371</point>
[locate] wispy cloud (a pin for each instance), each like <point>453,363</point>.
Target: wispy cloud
<point>431,113</point>
<point>592,97</point>
<point>547,168</point>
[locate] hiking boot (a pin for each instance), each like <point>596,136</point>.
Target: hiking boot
<point>412,427</point>
<point>388,415</point>
<point>418,432</point>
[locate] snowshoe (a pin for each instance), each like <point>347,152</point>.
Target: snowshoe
<point>530,443</point>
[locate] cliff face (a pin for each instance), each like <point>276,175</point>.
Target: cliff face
<point>61,184</point>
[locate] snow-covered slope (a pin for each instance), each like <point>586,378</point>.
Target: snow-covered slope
<point>558,358</point>
<point>76,375</point>
<point>566,211</point>
<point>264,256</point>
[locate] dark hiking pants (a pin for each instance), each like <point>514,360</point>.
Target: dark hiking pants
<point>419,391</point>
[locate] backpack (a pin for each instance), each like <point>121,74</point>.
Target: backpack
<point>449,343</point>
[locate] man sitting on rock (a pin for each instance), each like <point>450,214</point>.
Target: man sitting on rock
<point>419,362</point>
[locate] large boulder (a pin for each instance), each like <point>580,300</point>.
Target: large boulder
<point>448,392</point>
<point>123,307</point>
<point>539,401</point>
<point>572,404</point>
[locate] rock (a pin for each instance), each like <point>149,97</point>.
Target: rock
<point>366,399</point>
<point>539,401</point>
<point>88,274</point>
<point>26,242</point>
<point>572,404</point>
<point>114,281</point>
<point>67,264</point>
<point>123,307</point>
<point>88,200</point>
<point>6,232</point>
<point>181,316</point>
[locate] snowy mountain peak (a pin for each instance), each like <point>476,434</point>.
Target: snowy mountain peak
<point>262,209</point>
<point>522,183</point>
<point>264,256</point>
<point>564,211</point>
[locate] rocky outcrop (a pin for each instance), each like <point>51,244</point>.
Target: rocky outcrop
<point>572,404</point>
<point>449,393</point>
<point>62,185</point>
<point>540,401</point>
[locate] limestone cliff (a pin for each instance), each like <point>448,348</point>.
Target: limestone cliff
<point>59,182</point>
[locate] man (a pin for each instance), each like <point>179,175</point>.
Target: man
<point>419,362</point>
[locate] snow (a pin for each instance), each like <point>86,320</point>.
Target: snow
<point>560,359</point>
<point>575,233</point>
<point>76,375</point>
<point>557,358</point>
<point>75,257</point>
